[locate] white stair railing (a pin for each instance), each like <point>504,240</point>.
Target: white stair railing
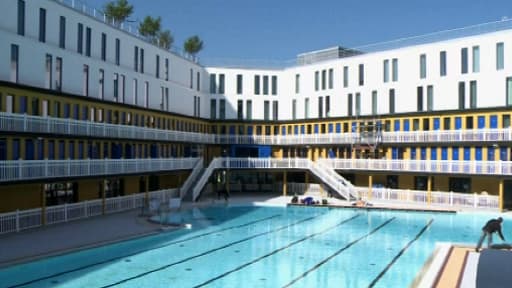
<point>334,180</point>
<point>191,178</point>
<point>202,181</point>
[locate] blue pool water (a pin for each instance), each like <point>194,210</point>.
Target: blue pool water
<point>262,247</point>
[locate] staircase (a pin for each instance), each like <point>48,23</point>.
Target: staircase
<point>334,180</point>
<point>192,178</point>
<point>198,187</point>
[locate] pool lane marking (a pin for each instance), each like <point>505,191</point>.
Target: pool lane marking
<point>275,251</point>
<point>142,251</point>
<point>400,254</point>
<point>338,252</point>
<point>210,251</point>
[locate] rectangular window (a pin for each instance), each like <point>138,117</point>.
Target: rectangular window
<point>294,109</point>
<point>317,80</point>
<point>122,88</point>
<point>115,86</point>
<point>239,84</point>
<point>167,102</point>
<point>391,101</point>
<point>88,42</point>
<point>195,102</point>
<point>430,98</point>
<point>361,74</point>
<point>141,68</point>
<point>146,94</point>
<point>221,83</point>
<point>23,105</point>
<point>62,32</point>
<point>21,17</point>
<point>118,52</point>
<point>275,110</point>
<point>198,103</point>
<point>395,69</point>
<point>345,76</point>
<point>14,62</point>
<point>358,104</point>
<point>58,73</point>
<point>85,91</point>
<point>323,79</point>
<point>320,107</point>
<point>191,79</point>
<point>500,57</point>
<point>462,95</point>
<point>248,107</point>
<point>350,104</point>
<point>101,90</point>
<point>213,109</point>
<point>442,63</point>
<point>327,106</point>
<point>157,62</point>
<point>103,46</point>
<point>80,39</point>
<point>464,60</point>
<point>136,59</point>
<point>423,66</point>
<point>374,102</point>
<point>386,71</point>
<point>222,109</point>
<point>49,72</point>
<point>166,69</point>
<point>274,85</point>
<point>42,25</point>
<point>297,83</point>
<point>256,84</point>
<point>472,94</point>
<point>198,81</point>
<point>331,78</point>
<point>135,92</point>
<point>476,59</point>
<point>306,108</point>
<point>509,91</point>
<point>266,110</point>
<point>265,85</point>
<point>213,84</point>
<point>419,99</point>
<point>240,109</point>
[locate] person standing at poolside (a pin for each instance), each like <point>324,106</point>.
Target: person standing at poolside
<point>492,226</point>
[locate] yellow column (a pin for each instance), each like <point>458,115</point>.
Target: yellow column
<point>370,184</point>
<point>103,200</point>
<point>429,190</point>
<point>285,182</point>
<point>43,206</point>
<point>500,195</point>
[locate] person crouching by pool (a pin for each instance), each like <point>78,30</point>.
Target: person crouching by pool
<point>492,226</point>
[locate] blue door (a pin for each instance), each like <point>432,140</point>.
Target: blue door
<point>397,125</point>
<point>467,153</point>
<point>433,153</point>
<point>302,129</point>
<point>296,129</point>
<point>51,150</point>
<point>437,123</point>
<point>40,150</point>
<point>444,153</point>
<point>283,130</point>
<point>338,127</point>
<point>478,153</point>
<point>481,122</point>
<point>394,153</point>
<point>154,151</point>
<point>330,127</point>
<point>455,153</point>
<point>413,153</point>
<point>354,127</point>
<point>128,151</point>
<point>249,130</point>
<point>503,154</point>
<point>406,125</point>
<point>71,150</point>
<point>62,150</point>
<point>423,153</point>
<point>494,121</point>
<point>316,128</point>
<point>29,149</point>
<point>458,123</point>
<point>490,153</point>
<point>232,130</point>
<point>3,149</point>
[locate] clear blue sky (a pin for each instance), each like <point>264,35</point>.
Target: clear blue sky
<point>281,29</point>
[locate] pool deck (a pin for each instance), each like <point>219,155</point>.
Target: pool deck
<point>62,238</point>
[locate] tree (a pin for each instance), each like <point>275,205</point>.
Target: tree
<point>118,10</point>
<point>165,39</point>
<point>149,28</point>
<point>193,45</point>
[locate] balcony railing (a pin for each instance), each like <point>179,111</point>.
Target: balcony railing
<point>17,170</point>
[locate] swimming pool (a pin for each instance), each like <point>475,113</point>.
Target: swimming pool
<point>262,247</point>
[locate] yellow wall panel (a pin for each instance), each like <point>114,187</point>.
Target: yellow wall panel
<point>20,196</point>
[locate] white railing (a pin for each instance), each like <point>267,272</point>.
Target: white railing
<point>447,136</point>
<point>202,180</point>
<point>13,170</point>
<point>434,198</point>
<point>430,166</point>
<point>191,178</point>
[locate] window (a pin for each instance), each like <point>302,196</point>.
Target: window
<point>386,70</point>
<point>317,80</point>
<point>265,85</point>
<point>134,91</point>
<point>358,104</point>
<point>166,69</point>
<point>62,32</point>
<point>141,68</point>
<point>419,99</point>
<point>462,95</point>
<point>101,92</point>
<point>213,109</point>
<point>146,94</point>
<point>500,61</point>
<point>274,85</point>
<point>297,83</point>
<point>476,59</point>
<point>323,79</point>
<point>509,91</point>
<point>198,81</point>
<point>361,74</point>
<point>103,46</point>
<point>442,63</point>
<point>80,39</point>
<point>395,69</point>
<point>14,62</point>
<point>115,86</point>
<point>374,102</point>
<point>118,52</point>
<point>306,108</point>
<point>42,25</point>
<point>430,98</point>
<point>345,76</point>
<point>256,84</point>
<point>248,107</point>
<point>221,83</point>
<point>222,109</point>
<point>472,94</point>
<point>23,105</point>
<point>464,60</point>
<point>191,78</point>
<point>320,107</point>
<point>240,109</point>
<point>423,66</point>
<point>157,62</point>
<point>266,110</point>
<point>136,59</point>
<point>58,73</point>
<point>21,17</point>
<point>327,106</point>
<point>239,84</point>
<point>294,109</point>
<point>331,78</point>
<point>195,103</point>
<point>391,101</point>
<point>85,90</point>
<point>88,42</point>
<point>213,84</point>
<point>275,110</point>
<point>167,102</point>
<point>49,71</point>
<point>198,102</point>
<point>350,104</point>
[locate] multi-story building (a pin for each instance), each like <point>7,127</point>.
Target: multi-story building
<point>90,110</point>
